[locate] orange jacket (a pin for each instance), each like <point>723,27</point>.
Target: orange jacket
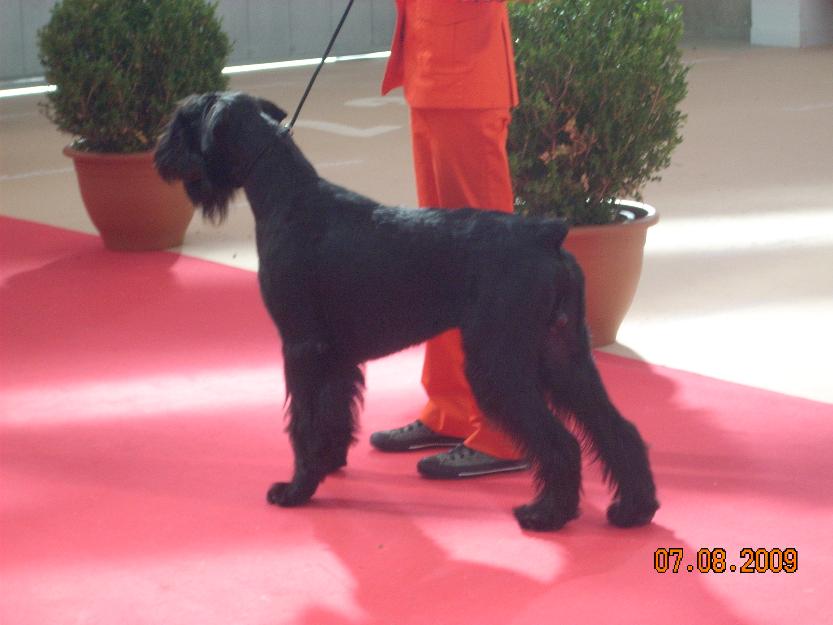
<point>452,54</point>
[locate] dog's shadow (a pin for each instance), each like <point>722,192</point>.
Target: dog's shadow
<point>407,569</point>
<point>92,313</point>
<point>451,552</point>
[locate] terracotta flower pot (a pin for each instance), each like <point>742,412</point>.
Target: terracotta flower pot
<point>611,258</point>
<point>130,205</point>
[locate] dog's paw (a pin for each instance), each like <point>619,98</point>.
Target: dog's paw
<point>287,494</point>
<point>538,517</point>
<point>631,511</point>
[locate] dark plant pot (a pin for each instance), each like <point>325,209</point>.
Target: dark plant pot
<point>611,258</point>
<point>132,208</point>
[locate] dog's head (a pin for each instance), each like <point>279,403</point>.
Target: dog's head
<point>212,143</point>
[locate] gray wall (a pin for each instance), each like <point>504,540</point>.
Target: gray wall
<point>19,21</point>
<point>717,19</point>
<point>269,30</point>
<point>262,30</point>
<point>792,23</point>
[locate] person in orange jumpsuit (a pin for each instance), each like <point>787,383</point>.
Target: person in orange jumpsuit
<point>454,59</point>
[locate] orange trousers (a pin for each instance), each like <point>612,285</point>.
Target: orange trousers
<point>460,160</point>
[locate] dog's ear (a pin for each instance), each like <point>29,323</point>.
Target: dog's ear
<point>271,110</point>
<point>178,155</point>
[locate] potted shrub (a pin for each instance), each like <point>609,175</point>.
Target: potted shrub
<point>600,83</point>
<point>120,67</point>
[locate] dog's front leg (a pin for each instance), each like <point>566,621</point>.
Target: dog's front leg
<point>302,370</point>
<point>308,473</point>
<point>325,392</point>
<point>302,487</point>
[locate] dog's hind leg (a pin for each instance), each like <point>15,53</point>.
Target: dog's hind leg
<point>575,388</point>
<point>519,409</point>
<point>325,393</point>
<point>502,372</point>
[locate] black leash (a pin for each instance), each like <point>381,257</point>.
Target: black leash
<point>320,65</point>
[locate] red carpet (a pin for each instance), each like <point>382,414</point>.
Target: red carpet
<point>141,425</point>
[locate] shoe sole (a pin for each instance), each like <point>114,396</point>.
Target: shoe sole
<point>480,473</point>
<point>490,471</point>
<point>418,446</point>
<point>430,445</point>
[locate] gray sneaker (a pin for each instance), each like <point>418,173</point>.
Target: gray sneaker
<point>411,437</point>
<point>464,461</point>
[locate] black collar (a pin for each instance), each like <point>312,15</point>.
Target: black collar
<point>283,132</point>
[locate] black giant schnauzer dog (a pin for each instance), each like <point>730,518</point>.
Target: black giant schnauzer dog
<point>347,280</point>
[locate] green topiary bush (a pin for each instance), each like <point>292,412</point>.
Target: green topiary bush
<point>600,83</point>
<point>120,66</point>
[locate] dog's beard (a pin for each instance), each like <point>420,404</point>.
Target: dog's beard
<point>212,200</point>
<point>202,188</point>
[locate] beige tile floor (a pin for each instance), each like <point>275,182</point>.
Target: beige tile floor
<point>738,278</point>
